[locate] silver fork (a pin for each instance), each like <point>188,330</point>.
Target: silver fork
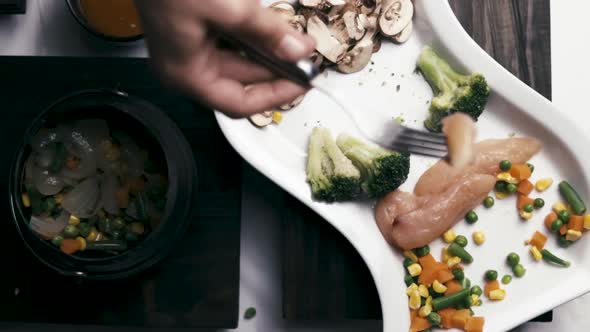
<point>392,135</point>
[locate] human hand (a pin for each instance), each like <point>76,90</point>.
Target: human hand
<point>180,36</point>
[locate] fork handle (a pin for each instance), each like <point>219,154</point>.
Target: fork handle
<point>301,72</point>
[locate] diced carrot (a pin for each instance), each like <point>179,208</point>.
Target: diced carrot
<point>444,275</point>
<point>538,240</point>
<point>460,318</point>
<point>563,230</point>
<point>520,171</point>
<point>136,184</point>
<point>419,324</point>
<point>446,316</point>
<point>576,222</point>
<point>490,286</point>
<point>69,246</point>
<point>427,262</point>
<point>522,201</point>
<point>413,313</point>
<point>549,219</point>
<point>122,197</point>
<point>474,324</point>
<point>525,187</point>
<point>453,287</point>
<point>428,276</point>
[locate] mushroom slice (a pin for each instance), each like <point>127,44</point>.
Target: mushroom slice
<point>298,22</point>
<point>261,119</point>
<point>339,31</point>
<point>336,8</point>
<point>354,27</point>
<point>283,6</point>
<point>369,7</point>
<point>326,44</point>
<point>292,104</point>
<point>403,36</point>
<point>357,58</point>
<point>310,3</point>
<point>317,58</point>
<point>396,15</point>
<point>376,44</point>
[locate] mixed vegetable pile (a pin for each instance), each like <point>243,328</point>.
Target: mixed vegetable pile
<point>92,189</point>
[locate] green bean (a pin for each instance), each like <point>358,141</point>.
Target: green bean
<point>563,242</point>
<point>465,283</point>
<point>572,197</point>
<point>434,318</point>
<point>458,274</point>
<point>422,251</point>
<point>450,300</point>
<point>551,258</point>
<point>456,250</point>
<point>107,245</point>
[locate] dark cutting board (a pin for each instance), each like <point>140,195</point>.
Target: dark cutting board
<point>324,278</point>
<point>197,285</point>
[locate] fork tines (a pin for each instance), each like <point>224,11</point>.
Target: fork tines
<point>421,142</point>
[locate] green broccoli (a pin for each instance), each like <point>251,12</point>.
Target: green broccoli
<point>455,92</point>
<point>331,175</point>
<point>382,170</point>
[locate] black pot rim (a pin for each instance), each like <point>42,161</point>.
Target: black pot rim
<point>179,207</point>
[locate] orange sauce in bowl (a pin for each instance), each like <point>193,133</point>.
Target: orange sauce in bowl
<point>113,18</point>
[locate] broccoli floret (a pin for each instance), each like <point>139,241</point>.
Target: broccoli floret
<point>454,92</point>
<point>382,170</point>
<point>331,175</point>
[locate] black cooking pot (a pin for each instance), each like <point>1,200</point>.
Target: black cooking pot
<point>151,124</point>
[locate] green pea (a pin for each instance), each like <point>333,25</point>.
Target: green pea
<point>563,242</point>
<point>422,251</point>
<point>519,270</point>
<point>71,231</point>
<point>468,302</point>
<point>511,188</point>
<point>471,217</point>
<point>476,290</point>
<point>506,279</point>
<point>556,225</point>
<point>538,203</point>
<point>458,274</point>
<point>408,280</point>
<point>531,167</point>
<point>57,240</point>
<point>461,240</point>
<point>488,202</point>
<point>118,223</point>
<point>528,208</point>
<point>512,259</point>
<point>434,318</point>
<point>505,165</point>
<point>465,283</point>
<point>491,275</point>
<point>564,215</point>
<point>408,262</point>
<point>501,186</point>
<point>84,229</point>
<point>250,313</point>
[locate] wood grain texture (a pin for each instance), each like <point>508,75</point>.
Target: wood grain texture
<point>323,276</point>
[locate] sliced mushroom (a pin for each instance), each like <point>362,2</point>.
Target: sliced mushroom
<point>357,58</point>
<point>316,58</point>
<point>292,104</point>
<point>298,22</point>
<point>396,15</point>
<point>338,30</point>
<point>403,36</point>
<point>354,27</point>
<point>310,3</point>
<point>326,44</point>
<point>283,6</point>
<point>376,44</point>
<point>261,119</point>
<point>336,9</point>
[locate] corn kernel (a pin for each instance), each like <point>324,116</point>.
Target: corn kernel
<point>497,295</point>
<point>475,300</point>
<point>59,198</point>
<point>415,300</point>
<point>543,184</point>
<point>505,176</point>
<point>415,269</point>
<point>277,117</point>
<point>438,287</point>
<point>558,207</point>
<point>445,254</point>
<point>525,215</point>
<point>92,234</point>
<point>74,221</point>
<point>587,221</point>
<point>26,200</point>
<point>423,290</point>
<point>411,255</point>
<point>428,301</point>
<point>536,253</point>
<point>479,238</point>
<point>82,242</point>
<point>452,261</point>
<point>501,194</point>
<point>449,236</point>
<point>573,235</point>
<point>425,311</point>
<point>411,288</point>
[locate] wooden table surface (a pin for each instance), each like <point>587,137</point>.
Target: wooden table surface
<point>324,278</point>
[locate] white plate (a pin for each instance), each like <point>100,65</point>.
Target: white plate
<point>279,152</point>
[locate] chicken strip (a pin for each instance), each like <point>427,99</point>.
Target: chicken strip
<point>488,154</point>
<point>460,131</point>
<point>408,221</point>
